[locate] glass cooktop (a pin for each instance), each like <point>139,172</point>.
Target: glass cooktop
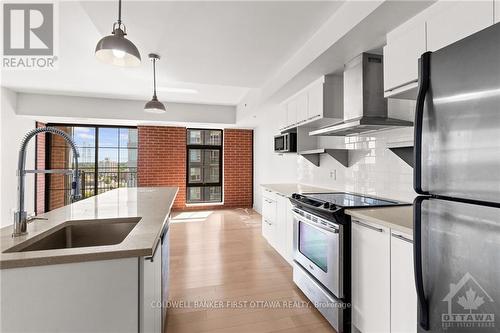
<point>349,200</point>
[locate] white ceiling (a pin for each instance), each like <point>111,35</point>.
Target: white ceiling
<point>220,49</point>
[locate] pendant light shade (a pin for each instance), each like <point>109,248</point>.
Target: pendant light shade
<point>115,49</point>
<point>154,105</point>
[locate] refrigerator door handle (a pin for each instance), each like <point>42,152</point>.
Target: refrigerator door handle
<point>417,262</point>
<point>423,88</point>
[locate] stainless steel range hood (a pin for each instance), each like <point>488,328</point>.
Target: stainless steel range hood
<point>365,108</point>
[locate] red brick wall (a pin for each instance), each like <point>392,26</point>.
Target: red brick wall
<point>40,178</point>
<point>162,159</point>
<point>162,162</point>
<point>58,160</point>
<point>238,168</point>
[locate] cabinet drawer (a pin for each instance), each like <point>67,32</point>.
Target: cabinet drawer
<point>268,209</point>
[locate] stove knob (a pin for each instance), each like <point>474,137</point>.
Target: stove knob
<point>332,207</point>
<point>295,196</point>
<point>326,205</point>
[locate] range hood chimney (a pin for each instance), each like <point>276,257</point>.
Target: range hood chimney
<point>365,108</point>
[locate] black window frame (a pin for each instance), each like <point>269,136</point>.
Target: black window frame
<point>48,151</point>
<point>203,147</point>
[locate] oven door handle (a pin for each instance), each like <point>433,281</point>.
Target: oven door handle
<point>300,218</point>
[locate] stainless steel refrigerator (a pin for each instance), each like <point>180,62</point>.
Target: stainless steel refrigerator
<point>457,175</point>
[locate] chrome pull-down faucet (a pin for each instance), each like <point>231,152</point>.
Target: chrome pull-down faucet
<point>21,216</point>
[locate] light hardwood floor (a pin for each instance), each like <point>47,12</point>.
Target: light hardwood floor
<point>221,256</point>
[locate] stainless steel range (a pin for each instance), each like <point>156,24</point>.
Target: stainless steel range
<point>322,248</point>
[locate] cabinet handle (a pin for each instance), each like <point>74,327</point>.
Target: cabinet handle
<point>265,220</point>
<point>368,226</point>
<point>406,239</point>
<point>402,85</point>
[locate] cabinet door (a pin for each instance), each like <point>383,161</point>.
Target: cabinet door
<point>315,101</point>
<point>497,11</point>
<point>302,108</point>
<point>403,294</point>
<point>289,233</point>
<point>370,277</point>
<point>404,48</point>
<point>151,293</point>
<point>282,117</point>
<point>454,20</point>
<point>268,219</point>
<point>291,112</point>
<point>280,225</point>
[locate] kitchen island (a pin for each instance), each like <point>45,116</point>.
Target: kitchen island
<point>85,285</point>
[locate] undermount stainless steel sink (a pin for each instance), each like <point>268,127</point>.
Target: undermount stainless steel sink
<point>81,234</point>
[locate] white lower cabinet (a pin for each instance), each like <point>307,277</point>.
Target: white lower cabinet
<point>383,289</point>
<point>403,294</point>
<point>370,277</point>
<point>269,217</point>
<point>277,223</point>
<point>150,290</point>
<point>284,227</point>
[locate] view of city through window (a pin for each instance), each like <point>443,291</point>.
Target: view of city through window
<point>108,158</point>
<point>204,169</point>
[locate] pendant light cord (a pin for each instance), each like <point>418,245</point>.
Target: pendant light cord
<point>154,78</point>
<point>119,13</point>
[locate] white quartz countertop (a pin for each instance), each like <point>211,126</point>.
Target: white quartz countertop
<point>150,205</point>
<point>398,218</point>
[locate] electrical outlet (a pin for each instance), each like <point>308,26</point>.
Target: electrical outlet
<point>333,174</point>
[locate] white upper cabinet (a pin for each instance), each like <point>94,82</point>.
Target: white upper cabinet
<point>497,11</point>
<point>315,100</point>
<point>291,112</point>
<point>320,103</point>
<point>371,293</point>
<point>282,117</point>
<point>454,20</point>
<point>404,47</point>
<point>403,294</point>
<point>439,25</point>
<point>302,108</point>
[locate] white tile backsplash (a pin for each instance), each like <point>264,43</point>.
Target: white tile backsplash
<point>374,170</point>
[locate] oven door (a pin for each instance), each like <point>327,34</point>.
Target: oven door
<point>318,249</point>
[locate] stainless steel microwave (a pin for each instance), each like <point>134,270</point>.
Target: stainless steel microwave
<point>285,143</point>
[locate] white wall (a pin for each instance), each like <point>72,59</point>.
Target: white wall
<point>119,110</point>
<point>375,170</point>
<point>13,129</point>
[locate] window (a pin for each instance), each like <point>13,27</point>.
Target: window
<point>108,160</point>
<point>204,167</point>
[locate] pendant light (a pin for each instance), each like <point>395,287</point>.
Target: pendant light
<point>154,105</point>
<point>115,49</point>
